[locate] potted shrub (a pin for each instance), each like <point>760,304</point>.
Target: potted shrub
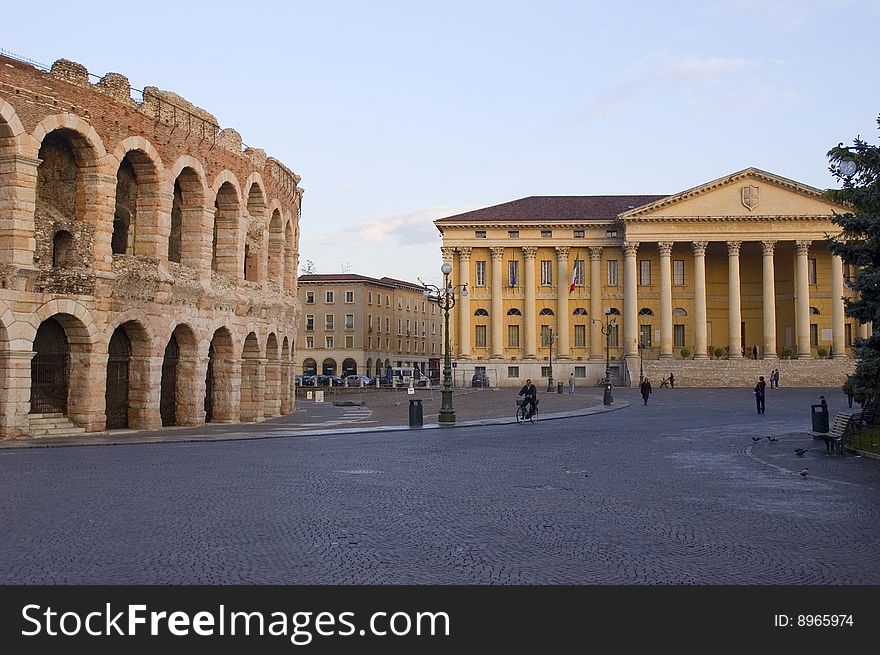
<point>718,352</point>
<point>822,351</point>
<point>685,353</point>
<point>786,353</point>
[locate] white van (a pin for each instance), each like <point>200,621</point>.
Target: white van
<point>402,375</point>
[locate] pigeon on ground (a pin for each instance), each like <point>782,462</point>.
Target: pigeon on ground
<point>800,451</point>
<point>772,439</point>
<point>805,473</point>
<point>756,439</point>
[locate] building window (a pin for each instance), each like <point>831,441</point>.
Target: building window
<point>310,322</point>
<point>513,274</point>
<point>349,321</point>
<point>545,336</point>
<point>424,328</point>
<point>814,334</point>
<point>369,297</point>
<point>546,234</point>
<point>328,297</point>
<point>579,272</point>
<point>369,322</point>
<point>399,327</point>
<point>310,342</point>
<point>387,328</point>
<point>513,234</point>
<point>645,272</point>
<point>349,296</point>
<point>847,332</point>
<point>513,371</point>
<point>546,273</point>
<point>578,234</point>
<point>400,345</point>
<point>545,371</point>
<point>612,272</point>
<point>678,272</point>
<point>310,297</point>
<point>610,234</point>
<point>580,371</point>
<point>580,336</point>
<point>370,342</point>
<point>811,270</point>
<point>328,342</point>
<point>678,336</point>
<point>480,336</point>
<point>328,321</point>
<point>349,342</point>
<point>433,329</point>
<point>408,333</point>
<point>481,273</point>
<point>388,300</point>
<point>644,336</point>
<point>613,341</point>
<point>407,345</point>
<point>480,234</point>
<point>513,336</point>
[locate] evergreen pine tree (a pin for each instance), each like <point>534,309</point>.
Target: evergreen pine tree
<point>857,167</point>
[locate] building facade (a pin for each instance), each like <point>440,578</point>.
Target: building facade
<point>353,324</point>
<point>711,282</point>
<point>148,260</point>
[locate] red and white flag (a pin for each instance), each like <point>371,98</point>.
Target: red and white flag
<point>574,276</point>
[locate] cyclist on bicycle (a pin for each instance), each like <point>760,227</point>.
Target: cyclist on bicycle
<point>530,397</point>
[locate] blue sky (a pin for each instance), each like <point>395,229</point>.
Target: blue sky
<point>397,113</point>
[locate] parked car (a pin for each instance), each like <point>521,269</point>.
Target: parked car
<point>357,380</point>
<point>328,380</point>
<point>304,380</point>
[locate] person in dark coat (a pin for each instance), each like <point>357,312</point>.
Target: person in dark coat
<point>829,447</point>
<point>760,390</point>
<point>671,381</point>
<point>645,388</point>
<point>530,397</point>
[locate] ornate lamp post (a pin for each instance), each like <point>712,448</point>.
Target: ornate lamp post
<point>550,339</point>
<point>607,396</point>
<point>445,299</point>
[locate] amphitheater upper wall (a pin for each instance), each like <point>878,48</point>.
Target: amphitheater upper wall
<point>172,132</point>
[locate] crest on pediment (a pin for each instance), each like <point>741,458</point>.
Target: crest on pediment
<point>750,196</point>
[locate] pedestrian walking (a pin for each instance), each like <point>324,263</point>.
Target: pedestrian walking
<point>570,383</point>
<point>829,447</point>
<point>774,378</point>
<point>645,388</point>
<point>847,389</point>
<point>671,381</point>
<point>754,352</point>
<point>760,390</point>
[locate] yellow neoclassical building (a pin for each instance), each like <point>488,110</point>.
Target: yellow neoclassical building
<point>710,283</point>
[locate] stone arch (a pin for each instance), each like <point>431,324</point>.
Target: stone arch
<point>275,265</point>
<point>225,256</point>
<point>349,367</point>
<point>67,178</point>
<point>182,390</point>
<point>10,129</point>
<point>222,379</point>
<point>546,312</point>
<point>272,393</point>
<point>138,223</point>
<point>81,330</point>
<point>253,371</point>
<point>129,391</point>
<point>63,379</point>
<point>481,312</point>
<point>328,366</point>
<point>309,366</point>
<point>187,218</point>
<point>254,252</point>
<point>90,141</point>
<point>579,311</point>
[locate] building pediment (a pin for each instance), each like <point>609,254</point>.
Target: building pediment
<point>750,194</point>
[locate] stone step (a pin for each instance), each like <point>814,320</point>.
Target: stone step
<point>46,415</point>
<point>50,425</point>
<point>56,432</point>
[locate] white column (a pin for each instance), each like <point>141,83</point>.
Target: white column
<point>802,300</point>
<point>562,284</point>
<point>701,339</point>
<point>464,303</point>
<point>630,299</point>
<point>769,296</point>
<point>864,331</point>
<point>497,303</point>
<point>665,248</point>
<point>838,334</point>
<point>734,320</point>
<point>597,312</point>
<point>529,318</point>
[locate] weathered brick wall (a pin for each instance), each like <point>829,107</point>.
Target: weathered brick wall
<point>745,372</point>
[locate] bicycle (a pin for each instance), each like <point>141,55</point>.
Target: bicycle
<point>523,415</point>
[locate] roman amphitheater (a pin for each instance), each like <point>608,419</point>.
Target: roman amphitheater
<point>147,260</point>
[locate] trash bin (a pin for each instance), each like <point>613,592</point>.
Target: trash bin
<point>415,413</point>
<point>559,387</point>
<point>820,419</point>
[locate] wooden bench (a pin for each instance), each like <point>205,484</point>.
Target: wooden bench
<point>866,418</point>
<point>844,425</point>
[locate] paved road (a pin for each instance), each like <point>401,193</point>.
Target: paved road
<point>675,492</point>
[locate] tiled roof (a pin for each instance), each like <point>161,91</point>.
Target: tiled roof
<point>328,278</point>
<point>554,208</point>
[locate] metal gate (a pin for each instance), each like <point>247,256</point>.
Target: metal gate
<point>117,380</point>
<point>50,369</point>
<point>209,387</point>
<point>168,397</point>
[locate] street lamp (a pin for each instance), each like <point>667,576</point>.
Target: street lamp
<point>607,396</point>
<point>550,339</point>
<point>445,299</point>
